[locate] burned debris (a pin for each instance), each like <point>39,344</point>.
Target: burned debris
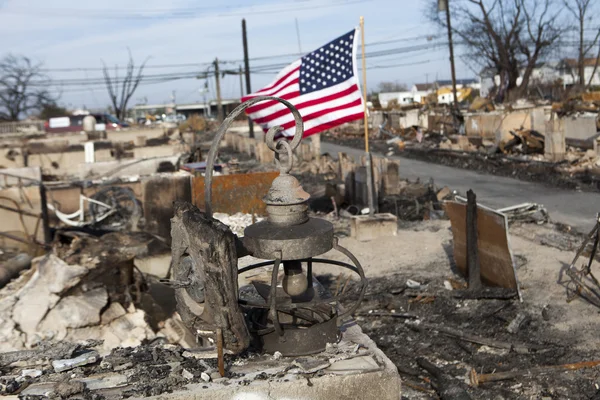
<point>461,301</point>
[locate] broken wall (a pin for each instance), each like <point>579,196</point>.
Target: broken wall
<point>576,126</point>
<point>497,125</point>
<point>158,195</point>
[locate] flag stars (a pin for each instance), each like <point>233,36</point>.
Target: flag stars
<point>327,66</point>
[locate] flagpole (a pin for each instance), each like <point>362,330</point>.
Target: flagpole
<point>368,160</point>
<point>364,71</point>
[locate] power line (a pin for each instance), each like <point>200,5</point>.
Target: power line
<point>241,10</point>
<point>235,61</point>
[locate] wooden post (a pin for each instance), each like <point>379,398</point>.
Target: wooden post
<point>369,163</point>
<point>473,265</point>
<point>45,218</point>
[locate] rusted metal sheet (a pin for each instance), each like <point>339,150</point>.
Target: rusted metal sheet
<point>235,193</point>
<point>496,258</point>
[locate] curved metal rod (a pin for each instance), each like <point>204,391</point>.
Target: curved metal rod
<point>273,296</point>
<point>360,271</point>
<point>306,260</point>
<point>212,154</point>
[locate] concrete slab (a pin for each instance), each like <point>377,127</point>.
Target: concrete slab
<point>367,375</point>
<point>364,227</point>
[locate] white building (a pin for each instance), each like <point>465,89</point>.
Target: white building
<point>402,98</point>
<point>550,72</point>
<point>569,71</point>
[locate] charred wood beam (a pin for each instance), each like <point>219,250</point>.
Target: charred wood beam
<point>473,264</point>
<point>447,388</point>
<point>213,270</point>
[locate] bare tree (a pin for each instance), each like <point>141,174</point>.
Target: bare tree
<point>580,10</point>
<point>24,87</point>
<point>508,37</point>
<point>120,90</point>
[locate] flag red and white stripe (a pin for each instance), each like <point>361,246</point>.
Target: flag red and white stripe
<point>323,86</point>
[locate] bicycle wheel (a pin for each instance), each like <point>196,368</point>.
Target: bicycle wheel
<point>127,210</point>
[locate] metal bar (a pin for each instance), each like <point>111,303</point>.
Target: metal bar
<point>18,239</point>
<point>594,249</point>
<point>23,212</point>
<point>45,218</point>
<point>273,296</point>
<point>516,207</point>
<point>360,272</point>
<point>20,177</point>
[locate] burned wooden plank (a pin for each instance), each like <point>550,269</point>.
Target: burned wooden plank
<point>213,269</point>
<point>493,243</point>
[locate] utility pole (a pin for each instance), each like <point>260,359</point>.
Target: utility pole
<point>298,35</point>
<point>218,85</point>
<point>247,68</point>
<point>441,5</point>
<point>241,84</point>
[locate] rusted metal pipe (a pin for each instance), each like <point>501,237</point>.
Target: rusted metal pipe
<point>220,359</point>
<point>477,379</point>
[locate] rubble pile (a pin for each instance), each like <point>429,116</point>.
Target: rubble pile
<point>416,201</point>
<point>471,343</point>
<point>63,369</point>
<point>86,288</point>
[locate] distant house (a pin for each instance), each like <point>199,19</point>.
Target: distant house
<point>565,71</point>
<point>208,109</point>
<point>569,71</point>
<point>402,98</point>
<point>460,83</point>
<point>421,90</point>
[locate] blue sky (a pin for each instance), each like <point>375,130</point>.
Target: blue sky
<point>82,34</point>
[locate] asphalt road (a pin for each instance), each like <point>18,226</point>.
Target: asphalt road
<point>577,209</point>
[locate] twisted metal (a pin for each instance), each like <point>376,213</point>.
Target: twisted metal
<point>282,146</point>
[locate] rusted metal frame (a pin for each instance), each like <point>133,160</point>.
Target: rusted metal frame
<point>212,154</point>
<point>361,273</point>
<point>578,275</point>
<point>336,298</point>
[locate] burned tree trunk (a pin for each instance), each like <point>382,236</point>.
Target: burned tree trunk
<point>207,288</point>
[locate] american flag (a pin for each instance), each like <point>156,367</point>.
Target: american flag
<point>322,85</point>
